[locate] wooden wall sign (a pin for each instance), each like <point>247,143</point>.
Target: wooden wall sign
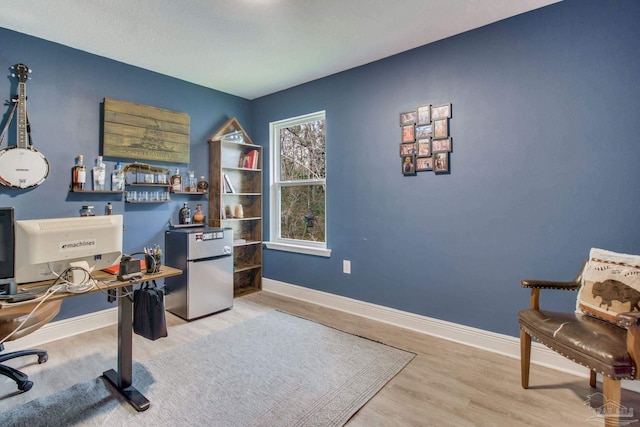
<point>142,132</point>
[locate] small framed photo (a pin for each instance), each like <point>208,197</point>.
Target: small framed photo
<point>408,133</point>
<point>442,111</point>
<point>409,165</point>
<point>424,114</point>
<point>441,145</point>
<point>424,164</point>
<point>424,147</point>
<point>441,162</point>
<point>407,148</point>
<point>440,128</point>
<point>408,118</point>
<point>423,131</point>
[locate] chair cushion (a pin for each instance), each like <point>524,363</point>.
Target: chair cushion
<point>610,285</point>
<point>592,342</point>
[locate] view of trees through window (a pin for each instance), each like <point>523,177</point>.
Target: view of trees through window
<point>302,185</point>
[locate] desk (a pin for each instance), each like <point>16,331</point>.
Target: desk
<point>121,378</point>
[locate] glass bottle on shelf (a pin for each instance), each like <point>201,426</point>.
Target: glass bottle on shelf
<point>202,185</point>
<point>198,216</point>
<point>117,178</point>
<point>185,215</point>
<point>191,182</point>
<point>176,182</point>
<point>109,209</point>
<point>99,174</point>
<point>78,174</point>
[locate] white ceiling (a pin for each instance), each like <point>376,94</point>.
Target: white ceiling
<point>251,48</point>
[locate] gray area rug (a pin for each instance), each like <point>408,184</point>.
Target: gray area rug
<point>272,370</point>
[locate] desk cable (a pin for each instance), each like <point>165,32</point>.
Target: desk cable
<point>85,284</point>
<point>48,293</point>
<point>88,283</point>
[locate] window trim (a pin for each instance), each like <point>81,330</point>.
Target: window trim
<point>323,252</point>
<point>276,242</point>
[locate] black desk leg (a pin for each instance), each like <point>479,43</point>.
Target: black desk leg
<point>121,379</point>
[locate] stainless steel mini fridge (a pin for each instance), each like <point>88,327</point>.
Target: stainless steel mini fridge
<point>205,256</point>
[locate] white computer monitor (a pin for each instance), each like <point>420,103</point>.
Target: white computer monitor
<point>46,247</point>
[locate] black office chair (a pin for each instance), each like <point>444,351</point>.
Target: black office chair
<point>9,322</point>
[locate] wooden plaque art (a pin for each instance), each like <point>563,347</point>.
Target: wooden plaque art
<point>141,132</point>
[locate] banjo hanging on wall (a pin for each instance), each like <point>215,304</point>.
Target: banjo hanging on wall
<point>22,166</point>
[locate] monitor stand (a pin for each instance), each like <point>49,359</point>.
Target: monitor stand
<point>8,287</point>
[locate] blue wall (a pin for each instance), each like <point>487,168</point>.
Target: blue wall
<point>65,94</point>
<point>545,163</point>
<point>544,166</point>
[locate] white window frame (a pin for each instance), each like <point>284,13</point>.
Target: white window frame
<point>275,241</point>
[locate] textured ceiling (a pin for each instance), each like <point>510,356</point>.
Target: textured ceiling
<point>251,48</point>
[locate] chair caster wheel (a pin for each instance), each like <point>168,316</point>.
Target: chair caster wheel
<point>25,385</point>
<point>43,358</point>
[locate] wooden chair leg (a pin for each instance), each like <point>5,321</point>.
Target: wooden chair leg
<point>525,357</point>
<point>592,379</point>
<point>612,401</point>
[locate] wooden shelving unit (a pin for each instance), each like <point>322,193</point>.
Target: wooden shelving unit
<point>225,158</point>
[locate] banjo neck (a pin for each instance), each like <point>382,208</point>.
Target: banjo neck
<point>22,115</point>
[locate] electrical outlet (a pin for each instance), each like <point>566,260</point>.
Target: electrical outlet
<point>346,266</point>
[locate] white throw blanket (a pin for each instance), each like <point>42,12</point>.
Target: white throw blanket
<point>610,284</point>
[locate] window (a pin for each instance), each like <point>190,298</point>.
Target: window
<point>298,184</point>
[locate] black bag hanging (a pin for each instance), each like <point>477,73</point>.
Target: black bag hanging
<point>148,312</point>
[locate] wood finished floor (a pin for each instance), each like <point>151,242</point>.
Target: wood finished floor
<point>446,384</point>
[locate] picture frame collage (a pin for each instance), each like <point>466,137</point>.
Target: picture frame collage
<point>425,141</point>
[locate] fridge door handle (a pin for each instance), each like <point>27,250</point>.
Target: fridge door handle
<point>211,258</point>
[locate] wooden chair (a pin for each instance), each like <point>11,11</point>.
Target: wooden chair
<point>10,319</point>
<point>599,345</point>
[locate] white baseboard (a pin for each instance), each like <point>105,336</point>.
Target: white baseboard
<point>65,328</point>
<point>490,341</point>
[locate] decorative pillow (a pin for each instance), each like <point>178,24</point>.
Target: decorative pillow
<point>610,285</point>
